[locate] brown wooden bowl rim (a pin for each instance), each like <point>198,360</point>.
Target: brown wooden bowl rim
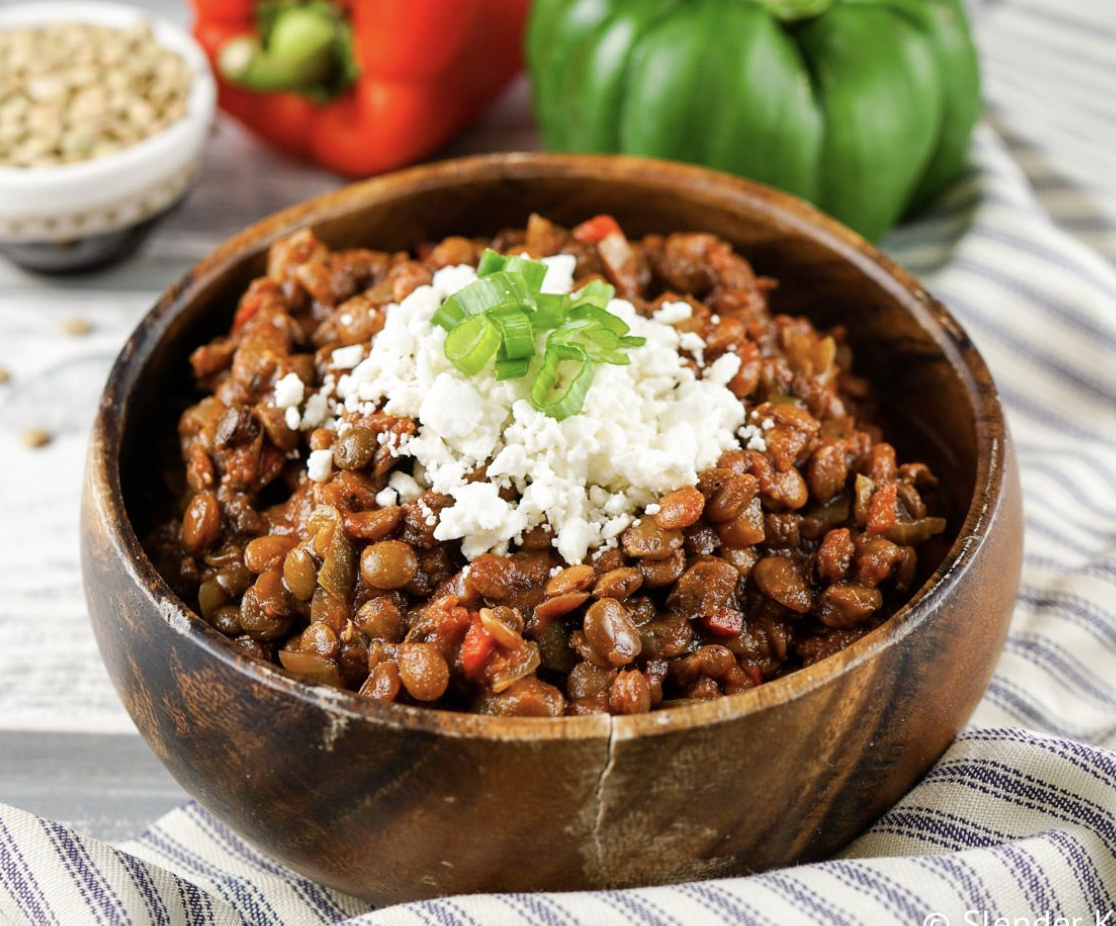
<point>792,212</point>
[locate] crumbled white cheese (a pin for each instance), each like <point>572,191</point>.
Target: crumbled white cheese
<point>292,418</point>
<point>613,528</point>
<point>693,342</point>
<point>345,358</point>
<point>671,313</point>
<point>559,273</point>
<point>449,280</point>
<point>315,412</point>
<point>480,517</point>
<point>768,423</point>
<point>751,438</point>
<point>652,509</point>
<point>452,408</point>
<point>320,465</point>
<point>404,486</point>
<point>645,428</point>
<point>428,516</point>
<point>289,391</point>
<point>386,497</point>
<point>723,369</point>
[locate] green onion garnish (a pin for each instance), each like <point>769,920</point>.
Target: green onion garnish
<point>498,316</point>
<point>559,392</point>
<point>472,344</point>
<point>512,369</point>
<point>519,336</point>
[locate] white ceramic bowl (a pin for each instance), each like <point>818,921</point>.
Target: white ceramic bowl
<point>72,216</point>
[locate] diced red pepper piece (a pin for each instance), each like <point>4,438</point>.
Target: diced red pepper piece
<point>724,622</point>
<point>597,229</point>
<point>476,649</point>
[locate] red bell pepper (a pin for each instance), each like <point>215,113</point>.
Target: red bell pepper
<point>360,86</point>
<point>596,229</point>
<point>476,649</point>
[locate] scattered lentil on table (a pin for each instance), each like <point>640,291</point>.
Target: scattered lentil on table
<point>76,327</point>
<point>358,511</point>
<point>33,438</point>
<point>73,91</point>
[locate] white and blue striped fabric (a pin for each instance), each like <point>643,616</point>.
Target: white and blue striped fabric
<point>1016,824</point>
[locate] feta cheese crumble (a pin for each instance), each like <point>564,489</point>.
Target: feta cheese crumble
<point>671,313</point>
<point>723,369</point>
<point>751,438</point>
<point>320,465</point>
<point>693,342</point>
<point>289,391</point>
<point>345,358</point>
<point>646,428</point>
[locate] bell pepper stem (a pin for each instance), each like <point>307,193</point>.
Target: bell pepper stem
<point>299,53</point>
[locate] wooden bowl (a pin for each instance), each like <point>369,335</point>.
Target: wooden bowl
<point>394,803</point>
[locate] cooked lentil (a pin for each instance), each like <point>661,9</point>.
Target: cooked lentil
<point>789,548</point>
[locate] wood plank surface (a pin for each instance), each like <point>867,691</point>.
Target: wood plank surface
<point>109,786</point>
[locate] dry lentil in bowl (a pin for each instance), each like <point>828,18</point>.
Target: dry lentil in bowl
<point>717,508</point>
<point>73,91</point>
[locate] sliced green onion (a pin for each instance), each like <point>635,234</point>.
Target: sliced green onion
<point>501,288</point>
<point>449,315</point>
<point>550,311</point>
<point>602,337</point>
<point>472,344</point>
<point>500,313</point>
<point>558,395</point>
<point>533,271</point>
<point>600,318</point>
<point>490,262</point>
<point>595,292</point>
<point>512,369</point>
<point>519,336</point>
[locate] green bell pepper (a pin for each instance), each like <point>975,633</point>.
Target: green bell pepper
<point>863,107</point>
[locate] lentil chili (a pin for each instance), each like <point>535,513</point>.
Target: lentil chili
<point>794,544</point>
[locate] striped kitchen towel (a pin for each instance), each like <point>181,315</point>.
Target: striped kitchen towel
<point>1016,824</point>
<point>1007,828</point>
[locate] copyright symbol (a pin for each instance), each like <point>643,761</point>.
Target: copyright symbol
<point>935,919</point>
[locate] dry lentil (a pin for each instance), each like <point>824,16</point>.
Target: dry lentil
<point>34,438</point>
<point>76,327</point>
<point>75,91</point>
